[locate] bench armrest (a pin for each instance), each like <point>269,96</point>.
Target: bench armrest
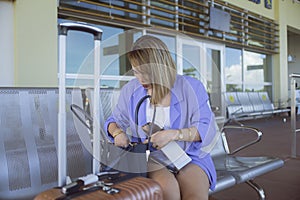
<point>255,130</point>
<point>238,109</point>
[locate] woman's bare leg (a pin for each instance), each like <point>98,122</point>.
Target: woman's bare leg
<point>193,183</point>
<point>166,180</point>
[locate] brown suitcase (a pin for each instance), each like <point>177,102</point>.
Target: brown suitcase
<point>138,188</point>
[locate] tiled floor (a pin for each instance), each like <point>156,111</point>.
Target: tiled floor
<point>282,184</point>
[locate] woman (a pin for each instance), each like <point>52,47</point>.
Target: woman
<point>180,104</point>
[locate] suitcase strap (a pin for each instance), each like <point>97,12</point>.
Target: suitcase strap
<point>97,186</point>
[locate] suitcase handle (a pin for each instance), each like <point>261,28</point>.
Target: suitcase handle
<point>65,27</point>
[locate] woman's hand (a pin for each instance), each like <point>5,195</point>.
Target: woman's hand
<point>163,137</point>
<point>121,140</point>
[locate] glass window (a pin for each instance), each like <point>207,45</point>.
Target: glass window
<point>257,71</point>
<point>254,87</point>
<point>234,88</point>
<point>247,71</point>
<point>169,41</point>
<point>255,64</point>
<point>191,61</point>
<point>115,67</point>
<point>233,67</point>
<point>80,55</point>
<point>79,46</point>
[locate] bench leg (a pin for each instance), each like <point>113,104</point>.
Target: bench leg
<point>257,188</point>
<point>234,121</point>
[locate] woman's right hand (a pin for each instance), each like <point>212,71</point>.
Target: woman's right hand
<point>121,140</point>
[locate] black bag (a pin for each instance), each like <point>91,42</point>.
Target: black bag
<point>158,156</point>
<point>132,160</point>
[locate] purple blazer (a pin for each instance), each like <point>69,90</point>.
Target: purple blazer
<point>189,107</point>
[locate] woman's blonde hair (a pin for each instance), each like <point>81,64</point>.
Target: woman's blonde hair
<point>150,56</point>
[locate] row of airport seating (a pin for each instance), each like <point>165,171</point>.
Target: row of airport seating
<point>250,105</point>
<point>28,143</point>
<point>29,139</point>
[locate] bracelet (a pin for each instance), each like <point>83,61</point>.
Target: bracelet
<point>190,134</point>
<point>117,132</point>
<point>180,135</point>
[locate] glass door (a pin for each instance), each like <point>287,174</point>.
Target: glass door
<point>205,62</point>
<point>190,55</point>
<point>214,56</point>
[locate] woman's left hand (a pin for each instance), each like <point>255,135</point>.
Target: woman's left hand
<point>163,137</point>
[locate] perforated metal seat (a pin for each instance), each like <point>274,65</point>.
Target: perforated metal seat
<point>234,106</point>
<point>268,105</point>
<point>28,142</point>
<point>250,105</point>
<point>240,168</point>
<point>246,168</point>
<point>256,101</point>
<point>224,180</point>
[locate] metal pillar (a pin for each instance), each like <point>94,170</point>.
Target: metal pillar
<point>293,115</point>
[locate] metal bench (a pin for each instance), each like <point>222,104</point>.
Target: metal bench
<point>233,105</point>
<point>268,105</point>
<point>28,141</point>
<point>232,169</point>
<point>246,105</point>
<point>28,144</point>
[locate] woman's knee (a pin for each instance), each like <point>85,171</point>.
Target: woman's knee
<point>171,191</point>
<point>168,183</point>
<point>193,182</point>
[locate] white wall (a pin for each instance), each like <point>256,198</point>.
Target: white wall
<point>287,15</point>
<point>6,43</point>
<point>294,50</point>
<point>35,43</point>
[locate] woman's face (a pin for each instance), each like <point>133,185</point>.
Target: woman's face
<point>143,78</point>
